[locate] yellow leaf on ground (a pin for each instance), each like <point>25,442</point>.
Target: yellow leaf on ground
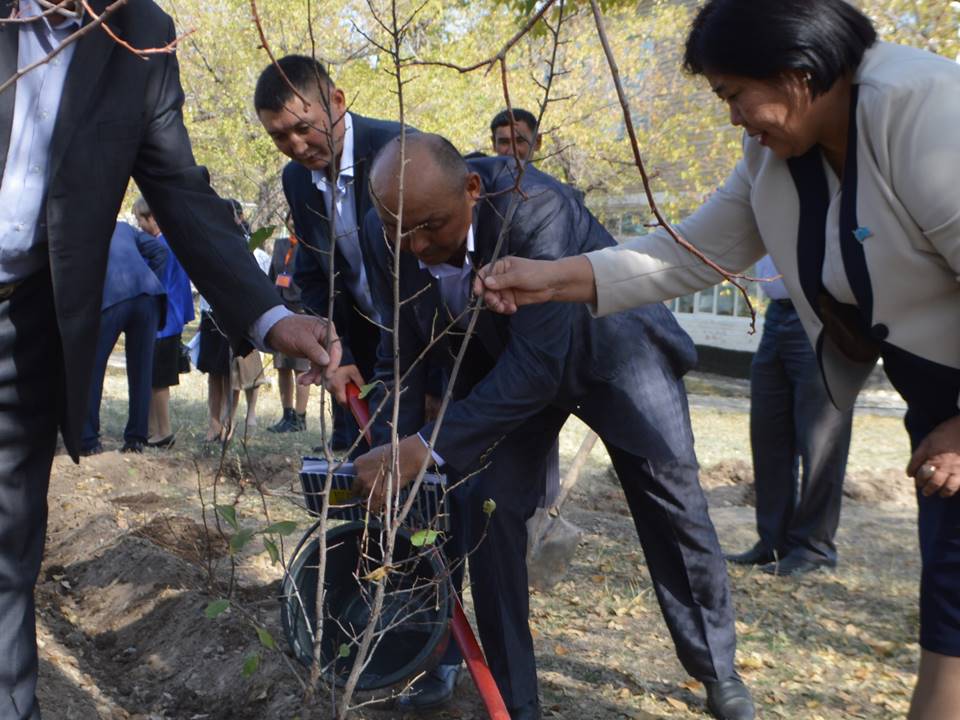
<point>676,704</point>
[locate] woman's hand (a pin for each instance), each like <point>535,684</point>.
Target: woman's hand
<point>512,282</point>
<point>936,462</point>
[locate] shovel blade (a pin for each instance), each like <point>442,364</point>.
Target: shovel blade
<point>550,549</point>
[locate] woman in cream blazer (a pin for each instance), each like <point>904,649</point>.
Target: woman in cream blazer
<point>850,180</point>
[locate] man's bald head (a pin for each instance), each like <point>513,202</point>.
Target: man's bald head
<point>439,193</point>
<point>429,159</point>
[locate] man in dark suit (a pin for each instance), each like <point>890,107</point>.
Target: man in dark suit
<point>134,303</point>
<point>95,114</point>
<point>521,379</point>
<point>325,182</point>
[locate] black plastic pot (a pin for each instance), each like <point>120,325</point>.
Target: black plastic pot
<point>413,629</point>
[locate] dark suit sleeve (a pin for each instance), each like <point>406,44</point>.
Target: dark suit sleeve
<point>154,251</point>
<point>198,225</point>
<point>528,373</point>
<point>379,262</point>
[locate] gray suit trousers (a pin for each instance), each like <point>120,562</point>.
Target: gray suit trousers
<point>31,390</point>
<point>800,442</point>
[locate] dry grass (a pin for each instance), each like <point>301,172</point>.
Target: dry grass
<point>830,645</point>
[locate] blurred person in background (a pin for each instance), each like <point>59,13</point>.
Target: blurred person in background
<point>525,134</point>
<point>293,396</point>
<point>167,349</point>
<point>799,442</point>
<point>134,304</point>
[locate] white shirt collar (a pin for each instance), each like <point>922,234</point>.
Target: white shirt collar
<point>346,157</point>
<point>29,8</point>
<point>443,270</point>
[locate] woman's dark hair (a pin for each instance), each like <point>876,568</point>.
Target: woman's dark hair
<point>822,39</point>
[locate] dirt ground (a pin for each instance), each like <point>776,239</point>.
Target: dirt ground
<point>130,569</point>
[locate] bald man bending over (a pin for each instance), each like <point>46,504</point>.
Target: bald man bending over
<point>523,376</point>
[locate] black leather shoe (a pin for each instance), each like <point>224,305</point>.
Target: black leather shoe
<point>432,690</point>
<point>757,555</point>
<point>132,446</point>
<point>163,443</point>
<point>729,700</point>
<point>527,712</point>
<point>796,564</point>
<point>92,450</point>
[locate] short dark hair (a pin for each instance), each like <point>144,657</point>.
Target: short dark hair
<point>822,39</point>
<point>502,118</point>
<point>304,73</point>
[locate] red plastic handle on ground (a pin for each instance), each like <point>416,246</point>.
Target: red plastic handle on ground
<point>459,625</point>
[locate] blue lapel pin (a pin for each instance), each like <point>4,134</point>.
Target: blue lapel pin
<point>862,233</point>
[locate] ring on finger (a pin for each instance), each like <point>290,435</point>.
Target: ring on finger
<point>926,472</point>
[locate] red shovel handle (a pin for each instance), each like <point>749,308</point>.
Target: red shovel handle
<point>459,625</point>
<point>473,656</point>
<point>360,410</point>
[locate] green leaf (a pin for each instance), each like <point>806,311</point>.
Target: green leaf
<point>251,664</point>
<point>229,514</point>
<point>366,390</point>
<point>424,537</point>
<point>271,547</point>
<point>344,651</point>
<point>489,505</point>
<point>266,638</point>
<point>286,527</point>
<point>217,607</point>
<point>260,236</point>
<point>239,541</point>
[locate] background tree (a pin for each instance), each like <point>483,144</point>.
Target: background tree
<point>683,129</point>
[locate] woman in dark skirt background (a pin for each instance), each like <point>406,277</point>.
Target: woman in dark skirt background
<point>166,350</point>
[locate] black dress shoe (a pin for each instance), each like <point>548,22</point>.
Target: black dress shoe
<point>729,700</point>
<point>757,555</point>
<point>527,712</point>
<point>132,446</point>
<point>432,690</point>
<point>163,443</point>
<point>797,564</point>
<point>92,450</point>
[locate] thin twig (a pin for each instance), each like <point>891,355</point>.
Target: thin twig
<point>732,277</point>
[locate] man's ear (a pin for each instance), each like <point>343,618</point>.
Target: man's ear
<point>474,186</point>
<point>338,104</point>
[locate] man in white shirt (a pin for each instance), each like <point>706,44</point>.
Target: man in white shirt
<point>72,133</point>
<point>325,183</point>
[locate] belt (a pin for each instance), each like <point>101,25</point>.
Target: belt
<point>7,289</point>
